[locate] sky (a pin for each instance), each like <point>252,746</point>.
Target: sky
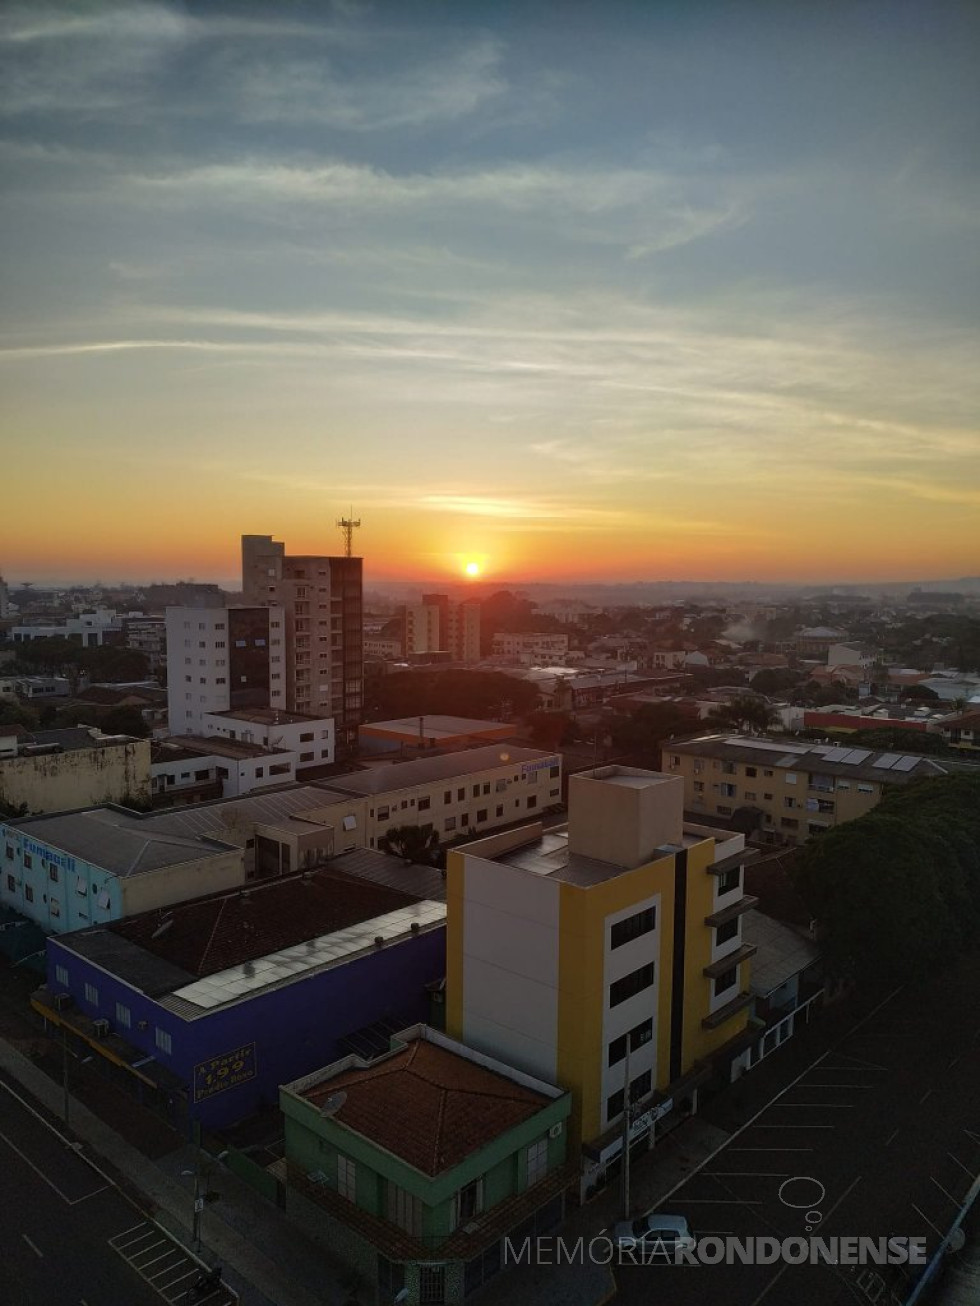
<point>566,291</point>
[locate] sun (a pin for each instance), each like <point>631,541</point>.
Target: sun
<point>472,569</point>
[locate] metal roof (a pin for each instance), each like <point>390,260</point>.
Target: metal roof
<point>396,776</point>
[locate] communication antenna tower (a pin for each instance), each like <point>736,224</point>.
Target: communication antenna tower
<point>348,525</point>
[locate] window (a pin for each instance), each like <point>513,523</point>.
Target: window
<point>460,795</point>
<point>346,1178</point>
<point>537,1161</point>
<point>843,784</point>
<point>405,1211</point>
<point>751,772</point>
<point>791,777</point>
<point>469,1203</point>
<point>749,796</point>
<point>424,804</point>
<point>10,853</point>
<point>481,815</point>
<point>614,1104</point>
<point>789,822</point>
<point>28,861</point>
<point>724,982</point>
<point>500,812</point>
<point>638,1035</point>
<point>28,893</point>
<point>631,984</point>
<point>699,786</point>
<point>767,773</point>
<point>729,880</point>
<point>767,797</point>
<point>532,801</point>
<point>306,737</point>
<point>724,810</point>
<point>163,1040</point>
<point>554,772</point>
<point>633,927</point>
<point>53,873</point>
<point>486,787</point>
<point>447,796</point>
<point>725,933</point>
<point>12,883</point>
<point>432,1285</point>
<point>91,994</point>
<point>123,1016</point>
<point>449,823</point>
<point>306,757</point>
<point>476,791</point>
<point>61,975</point>
<point>862,789</point>
<point>54,906</point>
<point>789,802</point>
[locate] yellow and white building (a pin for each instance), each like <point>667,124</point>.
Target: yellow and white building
<point>623,928</point>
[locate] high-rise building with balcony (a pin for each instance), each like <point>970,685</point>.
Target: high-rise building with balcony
<point>322,600</point>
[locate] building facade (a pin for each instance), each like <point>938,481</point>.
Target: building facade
<point>793,789</point>
<point>57,770</point>
<point>439,625</point>
<point>322,598</point>
<point>223,658</point>
<point>413,1167</point>
<point>609,948</point>
<point>531,647</point>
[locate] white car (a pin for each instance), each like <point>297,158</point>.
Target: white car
<point>655,1235</point>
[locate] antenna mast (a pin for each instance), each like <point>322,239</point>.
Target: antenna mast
<point>348,525</point>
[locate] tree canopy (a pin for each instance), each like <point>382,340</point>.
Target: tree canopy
<point>416,843</point>
<point>640,736</point>
<point>897,892</point>
<point>484,695</point>
<point>745,714</point>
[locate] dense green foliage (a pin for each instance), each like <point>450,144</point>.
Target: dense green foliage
<point>639,737</point>
<point>63,657</point>
<point>745,714</point>
<point>897,892</point>
<point>416,843</point>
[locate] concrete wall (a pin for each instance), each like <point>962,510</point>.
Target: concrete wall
<point>173,884</point>
<point>82,777</point>
<point>621,814</point>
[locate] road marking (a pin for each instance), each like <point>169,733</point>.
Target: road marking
<point>821,1106</point>
<point>141,1225</point>
<point>820,1086</point>
<point>770,1149</point>
<point>961,1165</point>
<point>771,1284</point>
<point>957,1202</point>
<point>33,1246</point>
<point>891,1136</point>
<point>955,1061</point>
<point>789,1126</point>
<point>717,1201</point>
<point>844,1194</point>
<point>40,1173</point>
<point>925,1217</point>
<point>928,1093</point>
<point>857,1061</point>
<point>970,1134</point>
<point>746,1174</point>
<point>162,1257</point>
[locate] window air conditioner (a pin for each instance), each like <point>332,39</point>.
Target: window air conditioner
<point>555,1130</point>
<point>62,1001</point>
<point>100,1028</point>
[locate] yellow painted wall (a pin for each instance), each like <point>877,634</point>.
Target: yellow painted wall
<point>173,884</point>
<point>82,777</point>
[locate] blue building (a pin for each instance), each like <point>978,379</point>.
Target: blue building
<point>206,1007</point>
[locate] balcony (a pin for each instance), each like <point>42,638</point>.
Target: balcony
<point>744,904</point>
<point>729,960</point>
<point>730,1009</point>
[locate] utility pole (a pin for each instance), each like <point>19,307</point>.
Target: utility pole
<point>348,526</point>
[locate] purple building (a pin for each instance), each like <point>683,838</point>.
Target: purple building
<point>208,1006</point>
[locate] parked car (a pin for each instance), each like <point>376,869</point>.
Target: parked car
<point>655,1234</point>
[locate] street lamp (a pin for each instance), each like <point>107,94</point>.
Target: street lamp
<point>197,1174</point>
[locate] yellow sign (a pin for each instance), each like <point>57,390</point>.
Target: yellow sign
<point>224,1071</point>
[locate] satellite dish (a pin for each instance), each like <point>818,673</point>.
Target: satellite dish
<point>333,1103</point>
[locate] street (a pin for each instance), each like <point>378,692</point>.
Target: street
<point>879,1137</point>
<point>69,1237</point>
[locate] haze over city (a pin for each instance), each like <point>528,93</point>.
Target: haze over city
<point>564,292</point>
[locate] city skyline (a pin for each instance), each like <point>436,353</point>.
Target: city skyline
<point>571,294</point>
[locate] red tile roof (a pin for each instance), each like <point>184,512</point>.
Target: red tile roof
<point>429,1106</point>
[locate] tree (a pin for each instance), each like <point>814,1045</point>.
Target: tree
<point>897,892</point>
<point>124,721</point>
<point>551,729</point>
<point>415,843</point>
<point>641,735</point>
<point>775,680</point>
<point>15,714</point>
<point>921,692</point>
<point>744,714</point>
<point>484,695</point>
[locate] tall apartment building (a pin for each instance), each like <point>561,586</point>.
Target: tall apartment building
<point>438,625</point>
<point>219,659</point>
<point>614,943</point>
<point>792,789</point>
<point>322,598</point>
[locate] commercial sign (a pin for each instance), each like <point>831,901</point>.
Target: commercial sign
<point>542,764</point>
<point>56,859</point>
<point>224,1071</point>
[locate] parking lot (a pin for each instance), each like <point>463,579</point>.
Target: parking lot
<point>878,1138</point>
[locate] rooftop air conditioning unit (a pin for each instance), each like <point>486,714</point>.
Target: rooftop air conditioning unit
<point>555,1130</point>
<point>62,1001</point>
<point>100,1028</point>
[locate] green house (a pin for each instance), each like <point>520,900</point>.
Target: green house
<point>415,1167</point>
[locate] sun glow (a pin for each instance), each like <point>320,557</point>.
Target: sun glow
<point>472,569</point>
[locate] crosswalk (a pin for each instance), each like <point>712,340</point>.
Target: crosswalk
<point>167,1267</point>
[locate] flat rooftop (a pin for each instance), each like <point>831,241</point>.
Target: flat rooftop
<point>826,759</point>
<point>436,727</point>
<point>549,854</point>
<point>428,1105</point>
<point>268,716</point>
<point>118,841</point>
<point>218,746</point>
<point>207,952</point>
<point>396,776</point>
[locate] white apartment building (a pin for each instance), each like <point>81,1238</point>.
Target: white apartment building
<point>90,629</point>
<point>322,599</point>
<point>438,625</point>
<point>222,658</point>
<point>312,739</point>
<point>531,648</point>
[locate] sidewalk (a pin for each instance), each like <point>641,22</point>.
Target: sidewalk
<point>266,1259</point>
<point>653,1178</point>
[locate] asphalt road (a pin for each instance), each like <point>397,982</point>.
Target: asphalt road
<point>879,1137</point>
<point>67,1237</point>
